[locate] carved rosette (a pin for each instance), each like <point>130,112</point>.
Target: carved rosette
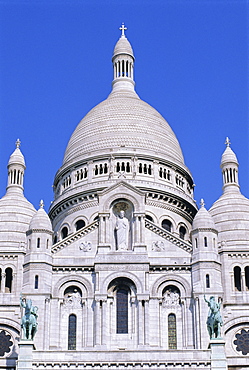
<point>6,343</point>
<point>242,342</point>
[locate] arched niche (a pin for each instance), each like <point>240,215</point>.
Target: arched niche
<point>121,190</point>
<point>135,281</point>
<point>178,281</point>
<point>121,214</point>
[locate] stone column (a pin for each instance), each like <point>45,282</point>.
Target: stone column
<point>154,322</point>
<point>104,244</point>
<point>140,322</point>
<point>3,283</point>
<point>146,323</point>
<point>197,323</point>
<point>90,171</point>
<point>156,170</point>
<point>46,333</point>
<point>104,322</point>
<point>97,323</point>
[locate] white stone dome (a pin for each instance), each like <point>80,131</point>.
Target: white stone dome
<point>17,158</point>
<point>231,216</point>
<point>123,121</point>
<point>123,47</point>
<point>15,215</point>
<point>228,156</point>
<point>203,219</point>
<point>40,220</point>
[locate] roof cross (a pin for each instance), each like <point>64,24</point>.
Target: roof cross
<point>18,143</point>
<point>123,29</point>
<point>227,142</point>
<point>202,203</point>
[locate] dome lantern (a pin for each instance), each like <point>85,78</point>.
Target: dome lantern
<point>229,166</point>
<point>16,168</point>
<point>123,64</point>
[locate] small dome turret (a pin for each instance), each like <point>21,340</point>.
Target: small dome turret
<point>16,168</point>
<point>231,211</point>
<point>203,219</point>
<point>40,221</point>
<point>229,166</point>
<point>15,210</point>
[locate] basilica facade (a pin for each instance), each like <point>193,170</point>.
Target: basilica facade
<point>123,270</point>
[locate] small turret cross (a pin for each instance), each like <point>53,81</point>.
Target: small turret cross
<point>41,204</point>
<point>18,143</point>
<point>123,29</point>
<point>202,203</point>
<point>227,142</point>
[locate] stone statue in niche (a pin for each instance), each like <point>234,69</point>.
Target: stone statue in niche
<point>171,297</point>
<point>73,299</point>
<point>122,231</point>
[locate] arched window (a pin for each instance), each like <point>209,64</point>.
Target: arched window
<point>8,280</point>
<point>140,168</point>
<point>149,218</point>
<point>237,278</point>
<point>0,279</point>
<point>64,232</point>
<point>79,224</point>
<point>72,321</point>
<point>122,310</point>
<point>55,239</point>
<point>167,225</point>
<point>207,281</point>
<point>118,167</point>
<point>182,232</point>
<point>38,242</point>
<point>172,343</point>
<point>205,241</point>
<point>196,243</point>
<point>36,281</point>
<point>247,277</point>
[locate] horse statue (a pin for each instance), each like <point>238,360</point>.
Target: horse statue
<point>29,319</point>
<point>214,320</point>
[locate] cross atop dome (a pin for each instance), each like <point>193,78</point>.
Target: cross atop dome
<point>123,29</point>
<point>202,203</point>
<point>18,143</point>
<point>227,142</point>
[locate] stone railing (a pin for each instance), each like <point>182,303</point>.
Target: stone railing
<point>168,236</point>
<point>73,237</point>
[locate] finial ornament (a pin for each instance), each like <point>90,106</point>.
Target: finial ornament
<point>18,143</point>
<point>41,204</point>
<point>227,142</point>
<point>202,203</point>
<point>123,29</point>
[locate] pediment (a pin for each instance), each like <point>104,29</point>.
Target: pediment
<point>81,243</point>
<point>121,190</point>
<point>163,241</point>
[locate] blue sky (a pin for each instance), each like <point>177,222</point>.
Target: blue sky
<point>191,65</point>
